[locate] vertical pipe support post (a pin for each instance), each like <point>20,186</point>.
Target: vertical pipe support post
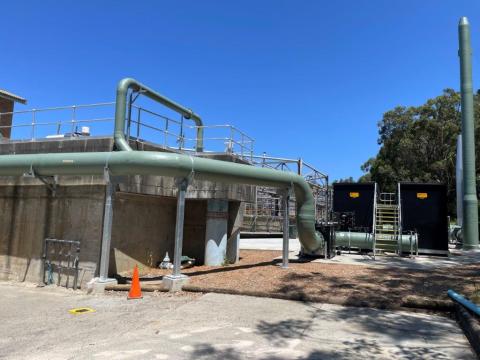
<point>107,226</point>
<point>182,185</point>
<point>286,227</point>
<point>470,202</point>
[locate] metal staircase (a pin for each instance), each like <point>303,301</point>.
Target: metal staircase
<point>387,225</point>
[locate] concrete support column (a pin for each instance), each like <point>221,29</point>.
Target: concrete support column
<point>236,211</point>
<point>175,281</point>
<point>216,232</point>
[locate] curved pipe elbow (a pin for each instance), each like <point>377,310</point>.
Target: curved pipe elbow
<point>120,112</point>
<point>311,241</point>
<point>121,108</point>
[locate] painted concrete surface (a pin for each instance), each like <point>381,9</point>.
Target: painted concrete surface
<point>36,325</point>
<point>216,232</point>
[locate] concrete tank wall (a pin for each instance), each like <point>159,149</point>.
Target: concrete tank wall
<point>143,215</point>
<point>30,214</point>
<point>144,230</point>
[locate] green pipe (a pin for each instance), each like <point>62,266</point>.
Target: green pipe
<point>172,165</point>
<point>121,108</point>
<point>470,202</point>
<point>365,240</point>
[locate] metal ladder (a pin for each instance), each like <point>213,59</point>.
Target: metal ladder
<point>387,224</point>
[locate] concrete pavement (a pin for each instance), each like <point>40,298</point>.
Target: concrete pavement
<point>268,244</point>
<point>36,325</point>
<point>456,257</point>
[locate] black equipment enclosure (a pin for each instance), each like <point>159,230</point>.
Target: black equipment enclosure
<point>356,199</point>
<point>424,210</point>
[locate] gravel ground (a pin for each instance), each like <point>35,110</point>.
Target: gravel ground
<point>338,283</point>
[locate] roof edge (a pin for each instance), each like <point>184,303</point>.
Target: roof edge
<point>10,96</point>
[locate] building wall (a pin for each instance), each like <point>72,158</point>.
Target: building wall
<point>6,120</point>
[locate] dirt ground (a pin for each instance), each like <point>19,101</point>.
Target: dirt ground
<point>258,272</point>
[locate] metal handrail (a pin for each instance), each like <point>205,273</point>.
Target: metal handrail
<point>57,108</point>
<point>237,141</point>
<point>174,135</point>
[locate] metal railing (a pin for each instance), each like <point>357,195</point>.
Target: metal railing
<point>33,124</point>
<point>268,203</point>
<point>388,198</point>
<point>142,124</point>
<point>146,125</point>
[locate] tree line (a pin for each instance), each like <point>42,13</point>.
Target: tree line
<point>418,144</point>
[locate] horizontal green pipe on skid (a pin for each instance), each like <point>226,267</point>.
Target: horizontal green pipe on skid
<point>172,165</point>
<point>121,109</point>
<point>363,240</point>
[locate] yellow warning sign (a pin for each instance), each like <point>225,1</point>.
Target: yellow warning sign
<point>422,196</point>
<point>80,311</point>
<point>354,195</point>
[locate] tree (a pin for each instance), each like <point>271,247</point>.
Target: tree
<point>345,180</point>
<point>418,144</point>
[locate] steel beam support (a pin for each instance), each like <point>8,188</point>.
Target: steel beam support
<point>107,226</point>
<point>286,227</point>
<point>182,184</point>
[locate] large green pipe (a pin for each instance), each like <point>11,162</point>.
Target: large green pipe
<point>173,165</point>
<point>470,202</point>
<point>365,240</point>
<point>121,108</point>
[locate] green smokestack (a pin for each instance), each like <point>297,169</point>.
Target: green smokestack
<point>470,203</point>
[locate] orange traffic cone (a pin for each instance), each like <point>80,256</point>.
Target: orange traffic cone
<point>135,290</point>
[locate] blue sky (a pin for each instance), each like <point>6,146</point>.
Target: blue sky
<point>306,79</point>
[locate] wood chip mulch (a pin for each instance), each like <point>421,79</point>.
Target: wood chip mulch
<point>258,273</point>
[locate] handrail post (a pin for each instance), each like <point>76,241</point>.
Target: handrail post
<point>166,133</point>
<point>33,123</point>
<point>241,146</point>
<point>374,239</point>
<point>399,220</point>
<point>74,118</point>
<point>139,115</point>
